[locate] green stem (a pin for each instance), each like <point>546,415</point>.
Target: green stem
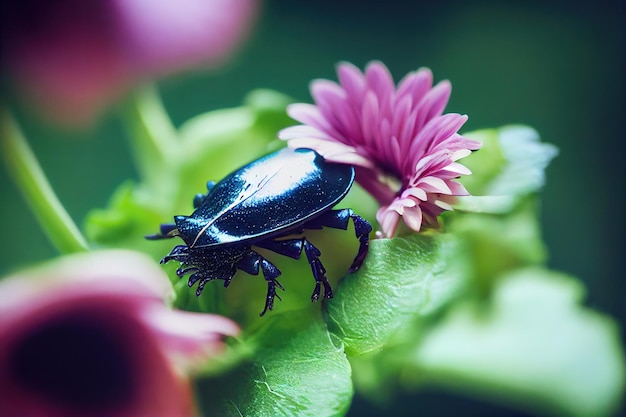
<point>152,133</point>
<point>32,182</point>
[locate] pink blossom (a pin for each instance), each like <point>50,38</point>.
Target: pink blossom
<point>73,56</point>
<point>91,335</point>
<point>403,147</point>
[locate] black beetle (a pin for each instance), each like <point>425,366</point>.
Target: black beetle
<point>261,204</point>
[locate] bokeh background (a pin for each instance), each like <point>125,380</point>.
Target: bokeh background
<point>557,66</point>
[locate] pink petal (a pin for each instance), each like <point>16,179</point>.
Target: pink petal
<point>388,220</point>
<point>437,99</point>
<point>456,142</point>
<point>332,151</point>
<point>460,153</point>
<point>457,188</point>
<point>102,315</point>
<point>353,82</point>
<point>172,35</point>
<point>402,125</point>
<point>415,192</point>
<point>386,147</point>
<point>379,80</point>
<point>382,139</point>
<point>413,218</point>
<point>394,151</point>
<point>189,337</point>
<point>449,126</point>
<point>435,131</point>
<point>326,93</point>
<point>434,185</point>
<point>370,121</point>
<point>306,113</point>
<point>431,105</point>
<point>84,55</point>
<point>311,115</point>
<point>302,131</point>
<point>443,205</point>
<point>458,169</point>
<point>400,204</point>
<point>415,85</point>
<point>444,127</point>
<point>424,164</point>
<point>119,273</point>
<point>332,104</point>
<point>471,144</point>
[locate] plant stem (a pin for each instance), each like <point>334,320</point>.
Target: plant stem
<point>34,186</point>
<point>153,136</point>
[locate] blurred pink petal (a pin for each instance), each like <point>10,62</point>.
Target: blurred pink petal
<point>91,335</point>
<point>167,35</point>
<point>73,57</point>
<point>403,146</point>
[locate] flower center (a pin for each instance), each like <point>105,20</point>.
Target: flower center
<point>77,362</point>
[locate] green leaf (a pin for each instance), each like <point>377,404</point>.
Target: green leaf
<point>533,346</point>
<point>216,142</point>
<point>486,163</point>
<point>299,369</point>
<point>403,279</point>
<point>527,159</point>
<point>125,223</point>
<point>510,165</point>
<point>499,243</point>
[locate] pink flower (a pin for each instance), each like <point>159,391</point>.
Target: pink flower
<point>74,56</point>
<point>404,149</point>
<point>91,335</point>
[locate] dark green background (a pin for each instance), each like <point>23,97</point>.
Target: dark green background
<point>556,66</point>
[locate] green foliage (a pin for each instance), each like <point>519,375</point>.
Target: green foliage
<point>298,369</point>
<point>470,307</point>
<point>499,242</point>
<point>532,344</point>
<point>509,167</point>
<point>403,279</point>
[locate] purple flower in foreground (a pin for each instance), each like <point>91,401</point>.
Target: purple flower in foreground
<point>90,335</point>
<point>404,149</point>
<point>74,56</point>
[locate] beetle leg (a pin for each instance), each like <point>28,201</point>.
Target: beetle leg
<point>193,278</point>
<point>178,253</point>
<point>362,229</point>
<point>288,247</point>
<point>319,272</point>
<point>251,263</point>
<point>203,281</point>
<point>293,249</point>
<point>338,219</point>
<point>230,276</point>
<point>270,273</point>
<point>180,272</point>
<point>199,276</point>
